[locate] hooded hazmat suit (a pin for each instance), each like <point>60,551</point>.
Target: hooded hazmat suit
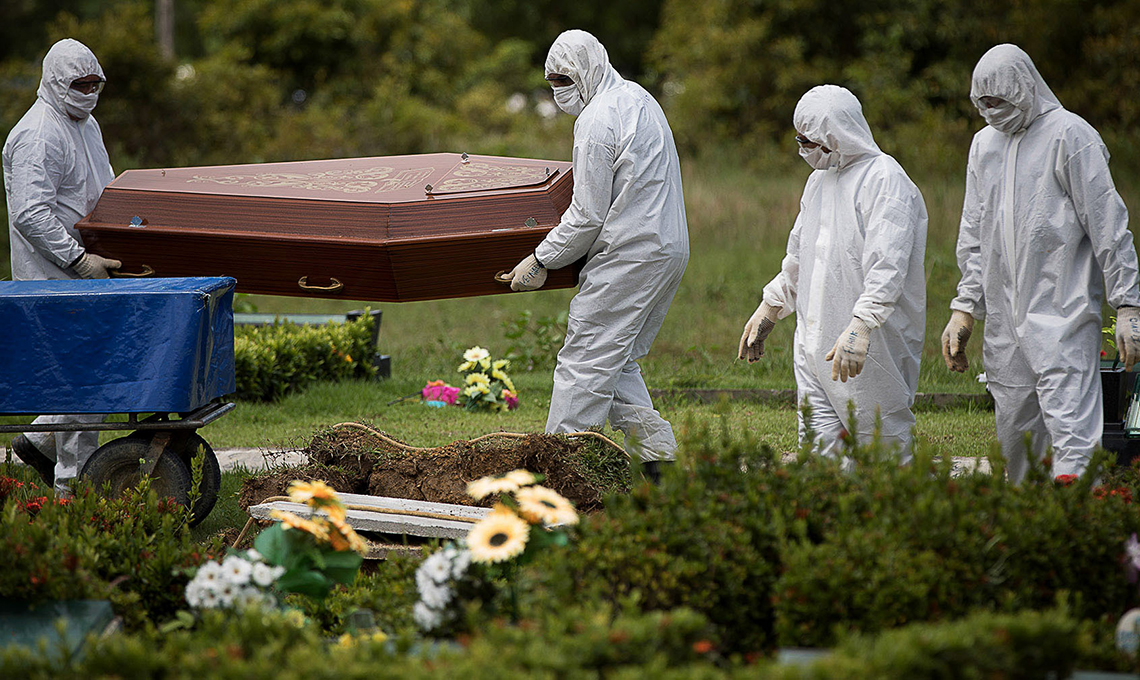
<point>1043,231</point>
<point>856,250</point>
<point>627,219</point>
<point>55,168</point>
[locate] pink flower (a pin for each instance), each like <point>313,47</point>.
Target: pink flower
<point>511,399</point>
<point>437,390</point>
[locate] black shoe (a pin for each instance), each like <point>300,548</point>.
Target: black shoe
<point>651,469</point>
<point>26,451</point>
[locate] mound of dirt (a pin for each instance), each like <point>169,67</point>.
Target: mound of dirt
<point>353,460</point>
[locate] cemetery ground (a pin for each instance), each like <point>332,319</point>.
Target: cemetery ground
<point>747,549</point>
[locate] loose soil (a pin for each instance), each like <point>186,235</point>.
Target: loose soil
<point>354,461</point>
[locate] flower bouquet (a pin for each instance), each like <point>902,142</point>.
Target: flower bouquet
<point>486,385</point>
<point>527,519</point>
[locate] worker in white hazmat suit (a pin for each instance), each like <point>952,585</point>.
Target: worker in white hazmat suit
<point>853,274</point>
<point>1043,231</point>
<point>55,168</point>
<point>627,219</point>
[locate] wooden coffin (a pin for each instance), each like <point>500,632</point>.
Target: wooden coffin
<point>387,229</point>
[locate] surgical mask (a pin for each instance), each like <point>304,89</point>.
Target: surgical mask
<point>1005,117</point>
<point>79,105</point>
<point>569,99</point>
<point>818,158</point>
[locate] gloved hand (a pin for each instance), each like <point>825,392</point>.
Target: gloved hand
<point>954,341</point>
<point>850,350</point>
<point>528,274</point>
<point>759,325</point>
<point>92,266</point>
<point>1128,335</point>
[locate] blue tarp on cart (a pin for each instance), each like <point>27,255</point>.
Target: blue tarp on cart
<point>115,345</point>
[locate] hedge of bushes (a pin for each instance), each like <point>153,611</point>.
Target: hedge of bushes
<point>272,361</point>
<point>912,572</point>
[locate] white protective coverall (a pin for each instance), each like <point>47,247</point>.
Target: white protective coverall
<point>1043,230</point>
<point>55,168</point>
<point>856,250</point>
<point>627,218</point>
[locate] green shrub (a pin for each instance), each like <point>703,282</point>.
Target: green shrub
<point>272,361</point>
<point>130,550</point>
<point>705,538</point>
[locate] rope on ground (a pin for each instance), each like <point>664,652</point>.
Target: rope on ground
<point>366,508</point>
<point>510,435</point>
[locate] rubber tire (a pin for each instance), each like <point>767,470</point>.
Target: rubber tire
<point>211,471</point>
<point>117,463</point>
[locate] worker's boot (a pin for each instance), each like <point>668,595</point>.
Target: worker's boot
<point>651,469</point>
<point>26,451</point>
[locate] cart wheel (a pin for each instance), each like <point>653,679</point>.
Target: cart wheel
<point>186,443</point>
<point>116,463</point>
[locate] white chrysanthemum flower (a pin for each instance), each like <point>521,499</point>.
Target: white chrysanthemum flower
<point>209,599</point>
<point>262,574</point>
<point>460,560</point>
<point>278,572</point>
<point>209,572</point>
<point>194,594</point>
<point>476,353</point>
<point>250,596</point>
<point>253,556</point>
<point>436,596</point>
<point>426,617</point>
<point>438,567</point>
<point>226,594</point>
<point>236,570</point>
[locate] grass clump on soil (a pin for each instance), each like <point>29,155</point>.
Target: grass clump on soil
<point>367,461</point>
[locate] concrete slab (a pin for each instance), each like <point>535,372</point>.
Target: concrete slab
<point>397,516</point>
<point>258,459</point>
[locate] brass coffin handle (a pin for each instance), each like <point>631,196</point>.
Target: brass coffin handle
<point>147,270</point>
<point>504,277</point>
<point>303,282</point>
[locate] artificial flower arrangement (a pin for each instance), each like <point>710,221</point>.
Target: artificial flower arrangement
<point>297,555</point>
<point>486,385</point>
<point>526,519</point>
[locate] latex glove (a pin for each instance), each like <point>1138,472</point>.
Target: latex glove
<point>1128,336</point>
<point>850,351</point>
<point>528,274</point>
<point>92,266</point>
<point>759,325</point>
<point>954,341</point>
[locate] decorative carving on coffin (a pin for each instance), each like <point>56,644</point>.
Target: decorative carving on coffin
<point>379,179</point>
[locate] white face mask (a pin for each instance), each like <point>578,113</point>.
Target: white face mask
<point>818,159</point>
<point>79,105</point>
<point>1005,117</point>
<point>569,99</point>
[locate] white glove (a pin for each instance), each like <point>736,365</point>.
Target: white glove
<point>1128,336</point>
<point>850,350</point>
<point>759,325</point>
<point>954,341</point>
<point>92,266</point>
<point>528,274</point>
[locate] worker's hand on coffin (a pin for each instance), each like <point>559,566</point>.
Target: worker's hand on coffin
<point>1128,336</point>
<point>759,325</point>
<point>954,341</point>
<point>92,266</point>
<point>528,274</point>
<point>850,351</point>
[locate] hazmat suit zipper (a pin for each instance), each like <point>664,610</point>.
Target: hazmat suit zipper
<point>1007,221</point>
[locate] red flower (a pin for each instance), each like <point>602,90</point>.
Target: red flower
<point>702,646</point>
<point>1065,480</point>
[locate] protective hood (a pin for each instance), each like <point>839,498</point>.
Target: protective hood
<point>66,61</point>
<point>1007,72</point>
<point>832,116</point>
<point>579,55</point>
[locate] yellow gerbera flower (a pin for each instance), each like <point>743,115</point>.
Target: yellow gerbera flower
<point>499,375</point>
<point>505,483</point>
<point>476,353</point>
<point>501,364</point>
<point>478,379</point>
<point>498,536</point>
<point>317,495</point>
<point>291,521</point>
<point>476,390</point>
<point>540,504</point>
<point>346,538</point>
<point>465,366</point>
